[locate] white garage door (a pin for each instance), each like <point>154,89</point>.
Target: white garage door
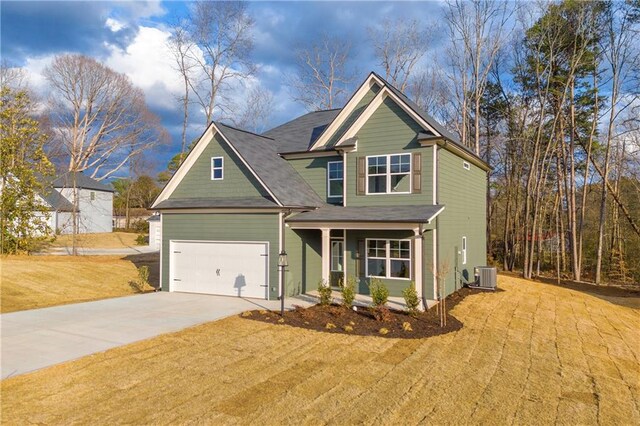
<point>225,268</point>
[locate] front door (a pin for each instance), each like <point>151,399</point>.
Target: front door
<point>337,262</point>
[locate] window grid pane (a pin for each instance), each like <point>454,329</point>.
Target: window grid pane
<point>394,263</point>
<point>389,174</point>
<point>216,168</point>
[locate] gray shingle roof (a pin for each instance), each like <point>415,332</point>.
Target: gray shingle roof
<point>300,133</point>
<point>404,214</point>
<point>57,201</point>
<point>278,175</point>
<point>216,203</point>
<point>82,181</point>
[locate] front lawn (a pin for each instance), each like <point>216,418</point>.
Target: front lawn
<point>29,282</point>
<point>532,354</point>
<point>106,240</point>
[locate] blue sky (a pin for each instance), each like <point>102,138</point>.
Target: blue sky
<point>129,37</point>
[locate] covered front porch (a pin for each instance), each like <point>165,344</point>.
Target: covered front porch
<point>393,244</point>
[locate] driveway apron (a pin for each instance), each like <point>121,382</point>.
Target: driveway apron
<point>39,338</point>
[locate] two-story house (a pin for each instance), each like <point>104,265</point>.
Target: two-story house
<point>374,189</point>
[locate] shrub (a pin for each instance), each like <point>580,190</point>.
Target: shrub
<point>330,326</point>
<point>325,293</point>
<point>348,292</point>
<point>379,292</point>
<point>406,326</point>
<point>140,226</point>
<point>141,240</point>
<point>348,328</point>
<point>411,298</point>
<point>142,283</point>
<point>383,331</point>
<point>246,314</point>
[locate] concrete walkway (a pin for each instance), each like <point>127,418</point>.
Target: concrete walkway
<point>39,338</point>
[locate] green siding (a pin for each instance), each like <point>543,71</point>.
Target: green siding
<point>222,227</point>
<point>390,130</point>
<point>314,171</point>
<point>362,105</point>
<point>304,253</point>
<point>463,193</point>
<point>237,182</point>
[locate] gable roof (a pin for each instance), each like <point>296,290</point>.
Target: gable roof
<point>300,133</point>
<point>441,132</point>
<point>261,155</point>
<point>444,132</point>
<point>82,182</point>
<point>57,201</point>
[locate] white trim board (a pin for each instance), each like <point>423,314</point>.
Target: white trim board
<point>394,226</point>
<point>373,107</point>
<point>346,111</point>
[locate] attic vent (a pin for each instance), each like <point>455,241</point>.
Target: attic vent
<point>466,165</point>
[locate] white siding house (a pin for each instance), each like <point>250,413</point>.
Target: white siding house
<point>94,202</point>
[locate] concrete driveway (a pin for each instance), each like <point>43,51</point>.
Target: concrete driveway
<point>38,338</point>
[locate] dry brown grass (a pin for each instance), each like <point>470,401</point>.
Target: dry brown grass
<point>107,240</point>
<point>28,282</point>
<point>533,354</point>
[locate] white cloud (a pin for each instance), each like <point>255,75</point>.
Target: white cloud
<point>148,63</point>
<point>114,25</point>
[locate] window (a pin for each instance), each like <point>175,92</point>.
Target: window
<point>337,253</point>
<point>464,250</point>
<point>389,258</point>
<point>335,179</point>
<point>388,174</point>
<point>466,165</point>
<point>217,165</point>
<point>93,195</point>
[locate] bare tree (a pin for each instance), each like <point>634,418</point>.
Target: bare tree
<point>399,45</point>
<point>477,32</point>
<point>12,77</point>
<point>621,53</point>
<point>258,110</point>
<point>222,32</point>
<point>323,78</point>
<point>181,45</point>
<point>100,119</point>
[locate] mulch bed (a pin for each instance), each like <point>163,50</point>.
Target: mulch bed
<point>362,322</point>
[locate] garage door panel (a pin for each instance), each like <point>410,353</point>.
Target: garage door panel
<point>224,268</point>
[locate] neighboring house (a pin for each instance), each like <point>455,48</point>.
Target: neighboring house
<point>60,211</point>
<point>95,203</point>
<point>375,189</point>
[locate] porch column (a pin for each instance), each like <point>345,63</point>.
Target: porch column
<point>326,254</point>
<point>418,258</point>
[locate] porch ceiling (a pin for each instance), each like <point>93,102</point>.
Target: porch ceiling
<point>358,215</point>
